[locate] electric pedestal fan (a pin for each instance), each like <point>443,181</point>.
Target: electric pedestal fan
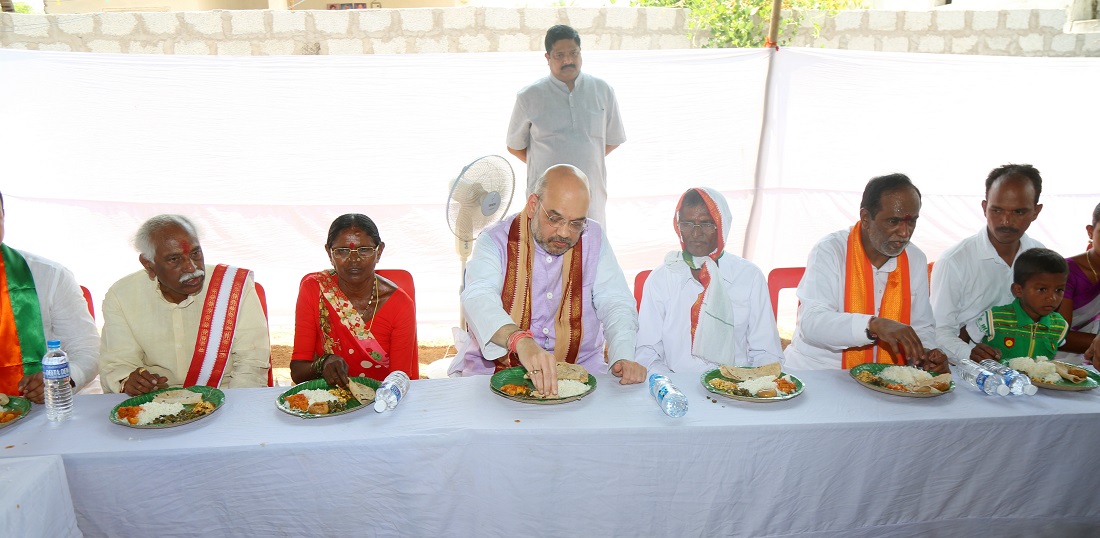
<point>478,197</point>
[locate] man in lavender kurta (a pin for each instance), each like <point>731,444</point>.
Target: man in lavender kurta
<point>543,285</point>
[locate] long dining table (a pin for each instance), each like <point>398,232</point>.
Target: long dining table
<point>455,459</point>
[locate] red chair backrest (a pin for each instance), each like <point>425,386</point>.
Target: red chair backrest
<point>639,285</point>
<point>780,278</point>
<point>402,278</point>
<point>88,298</point>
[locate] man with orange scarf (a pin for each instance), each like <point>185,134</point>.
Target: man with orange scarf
<point>544,286</point>
<point>704,306</point>
<point>864,297</point>
<point>40,300</point>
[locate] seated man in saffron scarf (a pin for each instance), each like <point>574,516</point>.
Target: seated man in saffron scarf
<point>179,322</point>
<point>864,297</point>
<point>40,300</point>
<point>544,286</point>
<point>705,306</point>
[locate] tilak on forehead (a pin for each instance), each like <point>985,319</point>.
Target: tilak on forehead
<point>186,246</point>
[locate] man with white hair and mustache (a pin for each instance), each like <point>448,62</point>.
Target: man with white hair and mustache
<point>180,322</point>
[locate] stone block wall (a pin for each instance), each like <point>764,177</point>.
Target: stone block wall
<point>371,31</point>
<point>1028,32</point>
<point>1025,32</point>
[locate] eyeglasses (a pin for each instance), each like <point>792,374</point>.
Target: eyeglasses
<point>573,55</point>
<point>690,227</point>
<point>363,252</point>
<point>575,226</point>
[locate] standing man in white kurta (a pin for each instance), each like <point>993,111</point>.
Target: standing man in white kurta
<point>567,118</point>
<point>704,306</point>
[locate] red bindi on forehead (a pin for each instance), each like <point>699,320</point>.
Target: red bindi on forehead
<point>186,246</point>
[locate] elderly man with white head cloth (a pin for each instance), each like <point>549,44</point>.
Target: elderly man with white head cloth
<point>704,306</point>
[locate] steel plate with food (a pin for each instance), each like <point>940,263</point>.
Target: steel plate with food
<point>13,409</point>
<point>167,407</point>
<point>574,383</point>
<point>765,383</point>
<point>1054,375</point>
<point>902,380</point>
<point>316,398</point>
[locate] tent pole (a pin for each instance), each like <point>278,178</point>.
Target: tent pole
<point>748,247</point>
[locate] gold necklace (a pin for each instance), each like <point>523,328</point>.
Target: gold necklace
<point>1088,259</point>
<point>372,301</point>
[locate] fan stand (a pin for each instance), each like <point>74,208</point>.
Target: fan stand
<point>463,248</point>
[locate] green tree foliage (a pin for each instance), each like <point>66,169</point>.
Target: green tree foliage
<point>744,23</point>
<point>21,7</point>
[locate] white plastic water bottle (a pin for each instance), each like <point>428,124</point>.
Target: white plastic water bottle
<point>55,375</point>
<point>390,392</point>
<point>672,401</point>
<point>1017,384</point>
<point>985,381</point>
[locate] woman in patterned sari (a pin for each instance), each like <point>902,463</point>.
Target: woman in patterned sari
<point>349,321</point>
<point>1081,305</point>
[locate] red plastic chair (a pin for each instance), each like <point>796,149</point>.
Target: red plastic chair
<point>88,298</point>
<point>781,278</point>
<point>402,278</point>
<point>639,285</point>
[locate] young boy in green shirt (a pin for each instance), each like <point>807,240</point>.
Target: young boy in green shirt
<point>1030,326</point>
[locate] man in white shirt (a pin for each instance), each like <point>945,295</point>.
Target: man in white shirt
<point>543,286</point>
<point>567,117</point>
<point>976,274</point>
<point>704,306</point>
<point>42,302</point>
<point>864,297</point>
<point>179,322</point>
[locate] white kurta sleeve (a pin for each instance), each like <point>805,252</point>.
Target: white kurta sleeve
<point>480,297</point>
<point>615,306</point>
<point>656,301</point>
<point>821,318</point>
<point>762,335</point>
<point>947,278</point>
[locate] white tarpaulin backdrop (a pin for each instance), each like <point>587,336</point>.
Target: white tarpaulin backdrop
<point>263,152</point>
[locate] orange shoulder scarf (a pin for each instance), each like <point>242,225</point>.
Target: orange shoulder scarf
<point>859,298</point>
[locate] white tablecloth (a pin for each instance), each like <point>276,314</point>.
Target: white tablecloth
<point>456,460</point>
<point>34,497</point>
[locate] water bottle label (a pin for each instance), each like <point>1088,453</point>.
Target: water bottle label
<point>396,391</point>
<point>661,393</point>
<point>55,371</point>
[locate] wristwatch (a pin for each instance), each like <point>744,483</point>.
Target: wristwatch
<point>870,335</point>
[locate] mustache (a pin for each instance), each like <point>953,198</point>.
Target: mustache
<point>188,276</point>
<point>1008,230</point>
<point>574,66</point>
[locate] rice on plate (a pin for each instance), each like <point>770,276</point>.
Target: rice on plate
<point>906,375</point>
<point>567,388</point>
<point>1042,369</point>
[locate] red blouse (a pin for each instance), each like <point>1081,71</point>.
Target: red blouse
<point>394,327</point>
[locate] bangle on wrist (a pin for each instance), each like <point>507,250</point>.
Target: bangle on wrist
<point>514,339</point>
<point>319,363</point>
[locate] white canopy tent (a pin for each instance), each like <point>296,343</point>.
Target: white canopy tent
<point>263,152</point>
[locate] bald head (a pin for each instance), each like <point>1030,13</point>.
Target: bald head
<point>559,208</point>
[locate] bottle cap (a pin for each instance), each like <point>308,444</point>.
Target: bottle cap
<point>379,405</point>
<point>53,343</point>
<point>1002,390</point>
<point>1030,390</point>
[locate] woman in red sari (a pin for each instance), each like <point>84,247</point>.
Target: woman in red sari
<point>349,321</point>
